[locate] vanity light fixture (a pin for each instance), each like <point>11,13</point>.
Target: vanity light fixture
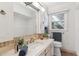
<point>2,12</point>
<point>39,6</point>
<point>35,5</point>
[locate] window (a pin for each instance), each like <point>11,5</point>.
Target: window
<point>57,21</point>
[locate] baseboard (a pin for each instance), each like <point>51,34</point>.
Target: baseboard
<point>66,52</point>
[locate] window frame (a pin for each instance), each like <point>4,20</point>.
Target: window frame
<point>65,21</point>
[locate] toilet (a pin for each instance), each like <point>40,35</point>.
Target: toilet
<point>57,36</point>
<point>57,46</point>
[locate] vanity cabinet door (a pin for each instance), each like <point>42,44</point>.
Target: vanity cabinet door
<point>48,51</point>
<point>48,54</point>
<point>42,54</point>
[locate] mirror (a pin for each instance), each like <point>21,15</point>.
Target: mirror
<point>24,19</point>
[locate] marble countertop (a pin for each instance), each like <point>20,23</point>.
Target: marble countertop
<point>34,49</point>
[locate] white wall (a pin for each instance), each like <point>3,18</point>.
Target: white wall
<point>77,29</point>
<point>69,34</point>
<point>6,21</point>
<point>13,24</point>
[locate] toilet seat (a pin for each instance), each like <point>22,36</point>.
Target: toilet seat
<point>57,44</point>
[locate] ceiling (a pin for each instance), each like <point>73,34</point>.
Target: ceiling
<point>59,5</point>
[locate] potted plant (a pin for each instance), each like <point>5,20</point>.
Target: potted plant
<point>20,42</point>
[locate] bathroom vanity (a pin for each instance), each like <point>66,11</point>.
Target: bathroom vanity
<point>37,48</point>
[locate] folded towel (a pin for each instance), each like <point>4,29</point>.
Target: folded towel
<point>23,51</point>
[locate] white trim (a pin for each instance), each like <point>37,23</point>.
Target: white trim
<point>58,12</point>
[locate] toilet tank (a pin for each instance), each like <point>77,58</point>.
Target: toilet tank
<point>57,36</point>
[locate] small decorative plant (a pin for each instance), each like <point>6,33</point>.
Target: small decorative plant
<point>45,35</point>
<point>20,41</point>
